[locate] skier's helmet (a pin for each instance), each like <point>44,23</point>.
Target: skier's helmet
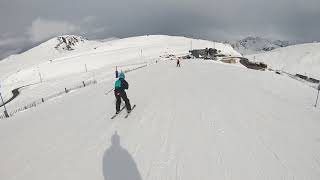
<point>121,75</point>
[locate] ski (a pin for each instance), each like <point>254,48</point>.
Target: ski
<point>115,115</point>
<point>130,111</point>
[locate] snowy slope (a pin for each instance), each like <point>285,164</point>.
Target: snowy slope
<point>204,120</point>
<point>302,59</point>
<point>253,45</point>
<point>55,64</point>
<point>45,52</point>
<point>98,54</point>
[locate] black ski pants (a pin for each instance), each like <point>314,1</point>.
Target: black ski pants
<point>123,95</point>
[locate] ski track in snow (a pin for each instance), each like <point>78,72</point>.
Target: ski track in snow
<point>200,121</point>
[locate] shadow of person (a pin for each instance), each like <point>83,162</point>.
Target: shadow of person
<point>118,163</point>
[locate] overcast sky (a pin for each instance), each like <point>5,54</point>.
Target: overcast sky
<point>25,23</point>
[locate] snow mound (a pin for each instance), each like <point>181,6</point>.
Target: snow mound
<point>298,59</point>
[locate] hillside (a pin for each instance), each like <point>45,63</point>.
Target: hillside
<point>302,59</point>
<point>45,52</point>
<point>71,47</point>
<point>52,67</point>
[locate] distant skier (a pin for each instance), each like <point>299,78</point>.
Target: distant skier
<point>117,73</point>
<point>119,91</point>
<point>178,62</point>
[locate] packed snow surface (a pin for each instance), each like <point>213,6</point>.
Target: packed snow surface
<point>205,120</point>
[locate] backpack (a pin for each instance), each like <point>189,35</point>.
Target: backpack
<point>117,84</point>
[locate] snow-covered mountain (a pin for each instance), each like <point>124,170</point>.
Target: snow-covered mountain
<point>302,59</point>
<point>252,45</point>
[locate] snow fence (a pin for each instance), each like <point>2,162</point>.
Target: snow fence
<point>44,99</point>
<point>67,90</point>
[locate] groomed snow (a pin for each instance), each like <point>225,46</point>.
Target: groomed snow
<point>203,121</point>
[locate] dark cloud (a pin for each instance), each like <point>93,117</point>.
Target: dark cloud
<point>38,20</point>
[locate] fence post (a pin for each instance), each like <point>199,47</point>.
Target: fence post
<point>6,114</point>
<point>4,106</point>
<point>317,96</point>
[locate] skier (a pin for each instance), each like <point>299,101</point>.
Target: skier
<point>119,91</point>
<point>178,62</point>
<point>117,73</point>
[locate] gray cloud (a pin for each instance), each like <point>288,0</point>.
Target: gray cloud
<point>37,20</point>
<point>10,44</point>
<point>42,29</point>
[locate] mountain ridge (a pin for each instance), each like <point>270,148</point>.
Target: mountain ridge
<point>253,45</point>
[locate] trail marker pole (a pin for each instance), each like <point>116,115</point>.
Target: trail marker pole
<point>141,57</point>
<point>40,77</point>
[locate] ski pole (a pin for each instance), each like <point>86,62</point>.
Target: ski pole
<point>109,91</point>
